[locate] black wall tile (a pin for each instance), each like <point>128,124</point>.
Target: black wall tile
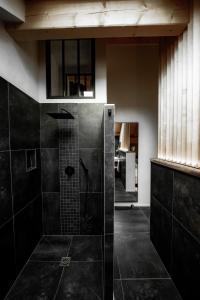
<point>185,249</point>
<point>109,192</point>
<point>109,179</point>
<point>90,125</point>
<point>28,231</point>
<point>7,258</point>
<point>162,185</point>
<point>50,170</point>
<point>161,231</point>
<point>92,159</point>
<point>5,188</point>
<point>26,184</point>
<point>186,206</point>
<point>20,114</point>
<point>108,266</point>
<point>186,263</point>
<point>24,120</point>
<point>4,124</point>
<point>118,290</point>
<point>92,210</point>
<point>51,214</point>
<point>49,131</point>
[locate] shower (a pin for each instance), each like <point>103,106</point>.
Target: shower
<point>61,115</point>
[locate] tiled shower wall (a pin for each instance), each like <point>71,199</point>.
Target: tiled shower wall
<point>175,225</point>
<point>72,205</point>
<point>109,187</point>
<point>20,190</point>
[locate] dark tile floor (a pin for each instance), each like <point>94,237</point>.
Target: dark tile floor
<point>44,278</point>
<point>139,273</point>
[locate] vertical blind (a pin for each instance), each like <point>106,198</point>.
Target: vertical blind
<point>179,95</point>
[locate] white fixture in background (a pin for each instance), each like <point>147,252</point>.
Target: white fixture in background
<point>88,93</point>
<point>130,172</point>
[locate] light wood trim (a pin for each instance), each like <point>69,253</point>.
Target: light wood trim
<point>49,19</point>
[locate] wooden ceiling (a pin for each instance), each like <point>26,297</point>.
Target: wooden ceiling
<point>55,19</point>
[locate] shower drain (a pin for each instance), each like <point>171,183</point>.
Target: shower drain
<point>65,261</point>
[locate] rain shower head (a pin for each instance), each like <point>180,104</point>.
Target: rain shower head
<point>61,115</point>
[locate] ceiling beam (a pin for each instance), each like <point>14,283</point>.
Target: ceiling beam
<point>99,32</point>
<point>114,18</point>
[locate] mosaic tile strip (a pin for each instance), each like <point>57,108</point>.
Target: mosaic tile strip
<point>69,185</point>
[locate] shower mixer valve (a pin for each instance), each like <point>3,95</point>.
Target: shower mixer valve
<point>69,171</point>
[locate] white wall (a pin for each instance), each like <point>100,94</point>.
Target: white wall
<point>100,77</point>
<point>132,79</point>
<point>14,7</point>
<point>19,63</point>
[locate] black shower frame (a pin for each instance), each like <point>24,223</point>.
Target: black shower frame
<point>48,69</point>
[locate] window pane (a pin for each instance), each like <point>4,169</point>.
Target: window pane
<point>56,69</point>
<point>86,89</point>
<point>71,85</point>
<point>71,59</point>
<point>85,57</point>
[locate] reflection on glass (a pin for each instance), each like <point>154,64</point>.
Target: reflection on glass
<point>56,69</point>
<point>85,84</point>
<point>72,85</point>
<point>71,55</point>
<point>85,57</point>
<point>126,162</point>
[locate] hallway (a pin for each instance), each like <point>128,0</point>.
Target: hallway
<point>139,274</point>
<point>121,196</point>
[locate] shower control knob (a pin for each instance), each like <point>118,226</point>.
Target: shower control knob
<point>69,171</point>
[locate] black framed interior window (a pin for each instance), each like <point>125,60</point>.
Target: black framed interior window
<point>70,68</point>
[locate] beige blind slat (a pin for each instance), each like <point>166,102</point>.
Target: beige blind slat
<point>179,95</point>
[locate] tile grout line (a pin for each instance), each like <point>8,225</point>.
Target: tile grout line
<point>135,279</point>
<point>29,203</point>
<point>120,275</point>
<point>59,283</point>
<point>58,261</point>
<point>23,268</point>
<point>102,265</point>
<point>41,176</point>
<point>71,235</point>
<point>61,276</point>
<point>178,221</point>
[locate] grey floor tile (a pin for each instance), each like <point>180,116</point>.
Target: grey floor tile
<point>137,257</point>
<point>150,290</point>
<point>39,280</point>
<point>121,195</point>
<point>52,248</point>
<point>81,281</point>
<point>128,221</point>
<point>146,211</point>
<point>86,248</point>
